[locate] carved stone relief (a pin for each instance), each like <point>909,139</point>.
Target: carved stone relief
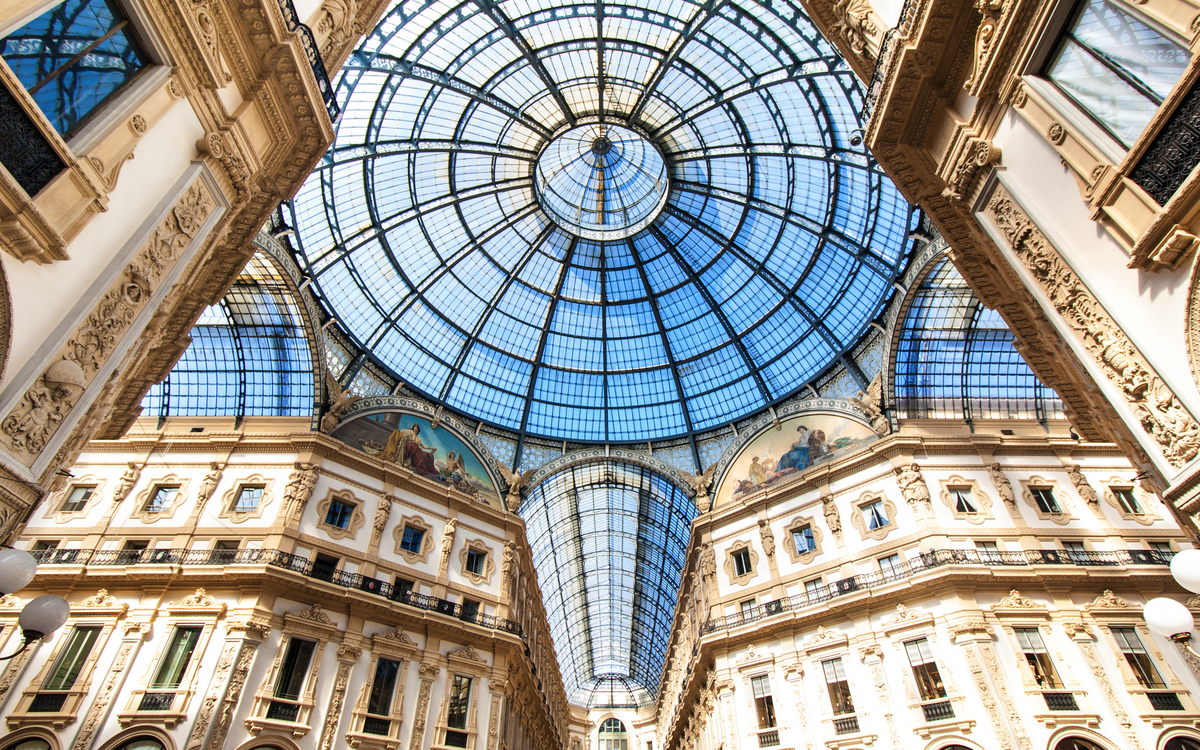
<point>1161,414</point>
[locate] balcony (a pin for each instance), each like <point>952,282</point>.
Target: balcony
<point>313,53</point>
<point>156,701</point>
<point>769,738</point>
<point>1165,701</point>
<point>939,711</point>
<point>376,725</point>
<point>847,725</point>
<point>1060,701</point>
<point>280,711</point>
<point>929,561</point>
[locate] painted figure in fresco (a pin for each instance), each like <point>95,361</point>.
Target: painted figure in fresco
<point>455,468</point>
<point>405,448</point>
<point>797,456</point>
<point>758,474</point>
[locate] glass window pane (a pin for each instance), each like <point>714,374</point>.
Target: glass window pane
<point>1099,90</point>
<point>72,658</point>
<point>175,660</point>
<point>294,669</point>
<point>383,688</point>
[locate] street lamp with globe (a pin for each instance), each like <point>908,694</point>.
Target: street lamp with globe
<point>1168,617</point>
<point>40,617</point>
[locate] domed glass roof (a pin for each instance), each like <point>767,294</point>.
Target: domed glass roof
<point>493,224</point>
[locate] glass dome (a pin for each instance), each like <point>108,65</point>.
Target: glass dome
<point>473,230</point>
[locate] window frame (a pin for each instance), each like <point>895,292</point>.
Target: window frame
<point>427,542</point>
<point>231,497</point>
<point>732,565</point>
<point>816,536</point>
<point>354,521</point>
<point>481,549</point>
<point>867,502</point>
<point>842,694</point>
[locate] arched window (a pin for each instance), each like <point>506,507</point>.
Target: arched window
<point>613,736</point>
<point>1076,743</point>
<point>1182,743</point>
<point>955,358</point>
<point>249,355</point>
<point>29,744</point>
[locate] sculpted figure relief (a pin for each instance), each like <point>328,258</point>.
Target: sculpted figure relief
<point>299,488</point>
<point>912,485</point>
<point>832,519</point>
<point>516,482</point>
<point>699,483</point>
<point>126,482</point>
<point>768,537</point>
<point>1003,486</point>
<point>448,540</point>
<point>208,484</point>
<point>339,402</point>
<point>1081,484</point>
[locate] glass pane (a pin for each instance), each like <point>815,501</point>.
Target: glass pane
<point>384,686</point>
<point>1112,101</point>
<point>460,695</point>
<point>294,669</point>
<point>37,50</point>
<point>175,661</point>
<point>74,655</point>
<point>1137,50</point>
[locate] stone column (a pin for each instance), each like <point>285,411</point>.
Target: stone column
<point>131,643</point>
<point>429,673</point>
<point>794,675</point>
<point>872,656</point>
<point>225,689</point>
<point>347,655</point>
<point>975,638</point>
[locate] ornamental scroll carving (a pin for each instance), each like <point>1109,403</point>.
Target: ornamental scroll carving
<point>334,715</point>
<point>233,694</point>
<point>1114,700</point>
<point>44,408</point>
<point>112,681</point>
<point>1160,413</point>
<point>204,717</point>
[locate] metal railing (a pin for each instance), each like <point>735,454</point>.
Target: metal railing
<point>938,711</point>
<point>887,51</point>
<point>156,701</point>
<point>769,738</point>
<point>848,725</point>
<point>282,560</point>
<point>929,561</point>
<point>313,53</point>
<point>1165,701</point>
<point>280,711</point>
<point>1060,701</point>
<point>47,702</point>
<point>376,725</point>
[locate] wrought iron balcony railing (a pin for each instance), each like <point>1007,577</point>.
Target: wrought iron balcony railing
<point>1060,701</point>
<point>847,725</point>
<point>938,711</point>
<point>313,53</point>
<point>929,561</point>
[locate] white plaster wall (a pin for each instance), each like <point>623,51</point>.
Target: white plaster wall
<point>1149,307</point>
<point>44,296</point>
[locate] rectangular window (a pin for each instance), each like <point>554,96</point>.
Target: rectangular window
<point>1163,548</point>
<point>747,607</point>
<point>963,503</point>
<point>470,609</point>
<point>839,688</point>
<point>1038,659</point>
<point>763,703</point>
<point>891,565</point>
<point>324,566</point>
<point>875,515</point>
<point>929,681</point>
<point>741,562</point>
<point>411,541</point>
<point>1075,550</point>
<point>175,661</point>
<point>72,658</point>
<point>1127,501</point>
<point>131,551</point>
<point>1044,497</point>
<point>160,498</point>
<point>475,560</point>
<point>339,514</point>
<point>294,669</point>
<point>1116,67</point>
<point>73,58</point>
<point>249,496</point>
<point>988,551</point>
<point>77,499</point>
<point>456,714</point>
<point>1139,661</point>
<point>383,689</point>
<point>803,537</point>
<point>813,588</point>
<point>402,586</point>
<point>44,545</point>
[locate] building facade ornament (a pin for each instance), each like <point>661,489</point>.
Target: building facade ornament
<point>299,489</point>
<point>1014,600</point>
<point>312,614</point>
<point>1003,486</point>
<point>467,652</point>
<point>1081,484</point>
<point>1160,412</point>
<point>1108,600</point>
<point>912,486</point>
<point>125,484</point>
<point>100,600</point>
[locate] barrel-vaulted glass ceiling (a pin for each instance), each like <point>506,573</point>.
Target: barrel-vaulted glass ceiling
<point>609,540</point>
<point>424,230</point>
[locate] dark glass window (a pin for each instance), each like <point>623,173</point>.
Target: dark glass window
<point>1139,661</point>
<point>411,542</point>
<point>475,560</point>
<point>294,669</point>
<point>1046,502</point>
<point>339,514</point>
<point>456,715</point>
<point>1116,67</point>
<point>1039,660</point>
<point>741,562</point>
<point>1127,501</point>
<point>962,500</point>
<point>175,661</point>
<point>73,58</point>
<point>70,662</point>
<point>383,688</point>
<point>803,537</point>
<point>891,565</point>
<point>77,499</point>
<point>764,705</point>
<point>838,687</point>
<point>929,681</point>
<point>160,499</point>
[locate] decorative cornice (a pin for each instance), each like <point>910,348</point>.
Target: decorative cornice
<point>1108,600</point>
<point>467,652</point>
<point>1014,600</point>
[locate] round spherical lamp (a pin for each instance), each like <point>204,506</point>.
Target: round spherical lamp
<point>1185,567</point>
<point>17,568</point>
<point>1169,618</point>
<point>43,616</point>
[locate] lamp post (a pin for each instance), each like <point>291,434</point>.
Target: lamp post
<point>40,617</point>
<point>1168,617</point>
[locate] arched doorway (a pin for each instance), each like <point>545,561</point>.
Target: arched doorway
<point>1077,743</point>
<point>613,736</point>
<point>1182,743</point>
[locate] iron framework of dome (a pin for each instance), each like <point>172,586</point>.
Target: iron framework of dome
<point>425,234</point>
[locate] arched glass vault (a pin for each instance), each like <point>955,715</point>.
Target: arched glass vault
<point>249,356</point>
<point>427,236</point>
<point>609,540</point>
